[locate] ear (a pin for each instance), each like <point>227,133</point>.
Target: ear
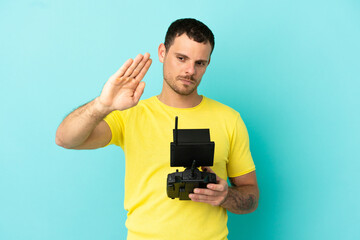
<point>161,52</point>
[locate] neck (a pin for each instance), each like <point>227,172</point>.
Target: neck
<point>174,99</point>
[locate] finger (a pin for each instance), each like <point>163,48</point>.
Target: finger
<point>140,65</point>
<point>120,72</point>
<point>213,200</point>
<point>217,187</point>
<point>139,91</point>
<point>204,191</point>
<point>134,64</point>
<point>200,197</point>
<point>143,71</point>
<point>203,198</point>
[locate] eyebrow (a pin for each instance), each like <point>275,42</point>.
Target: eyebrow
<point>186,57</point>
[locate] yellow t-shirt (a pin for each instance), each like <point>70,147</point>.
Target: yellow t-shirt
<point>144,132</point>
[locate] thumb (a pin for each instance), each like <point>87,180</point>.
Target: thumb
<point>139,91</point>
<point>208,169</point>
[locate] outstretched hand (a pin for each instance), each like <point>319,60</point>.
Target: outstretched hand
<point>214,194</point>
<point>124,88</point>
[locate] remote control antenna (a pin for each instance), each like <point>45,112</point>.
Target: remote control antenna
<point>176,130</point>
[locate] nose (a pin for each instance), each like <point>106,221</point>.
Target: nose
<point>190,68</point>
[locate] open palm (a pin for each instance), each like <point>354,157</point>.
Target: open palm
<point>124,89</point>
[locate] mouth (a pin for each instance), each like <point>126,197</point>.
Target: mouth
<point>186,81</point>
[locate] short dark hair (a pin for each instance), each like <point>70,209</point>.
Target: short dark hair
<point>193,28</point>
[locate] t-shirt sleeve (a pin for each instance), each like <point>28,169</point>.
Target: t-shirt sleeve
<point>115,120</point>
<point>240,159</point>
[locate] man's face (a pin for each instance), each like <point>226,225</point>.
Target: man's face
<point>185,63</point>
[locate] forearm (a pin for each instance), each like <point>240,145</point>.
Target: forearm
<point>79,124</point>
<point>241,199</point>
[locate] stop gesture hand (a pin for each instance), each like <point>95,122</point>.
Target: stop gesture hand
<point>124,89</point>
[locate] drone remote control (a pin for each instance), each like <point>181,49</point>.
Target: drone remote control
<point>191,149</point>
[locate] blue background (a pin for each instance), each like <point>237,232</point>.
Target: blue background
<point>291,68</point>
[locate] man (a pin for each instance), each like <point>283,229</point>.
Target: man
<point>144,131</point>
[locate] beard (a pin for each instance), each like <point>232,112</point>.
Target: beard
<point>180,88</point>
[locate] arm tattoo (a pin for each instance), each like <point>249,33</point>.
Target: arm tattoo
<point>241,199</point>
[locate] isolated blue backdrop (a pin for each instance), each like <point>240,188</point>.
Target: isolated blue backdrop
<point>291,68</point>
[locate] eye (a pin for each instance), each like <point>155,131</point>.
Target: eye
<point>202,64</point>
<point>180,58</point>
